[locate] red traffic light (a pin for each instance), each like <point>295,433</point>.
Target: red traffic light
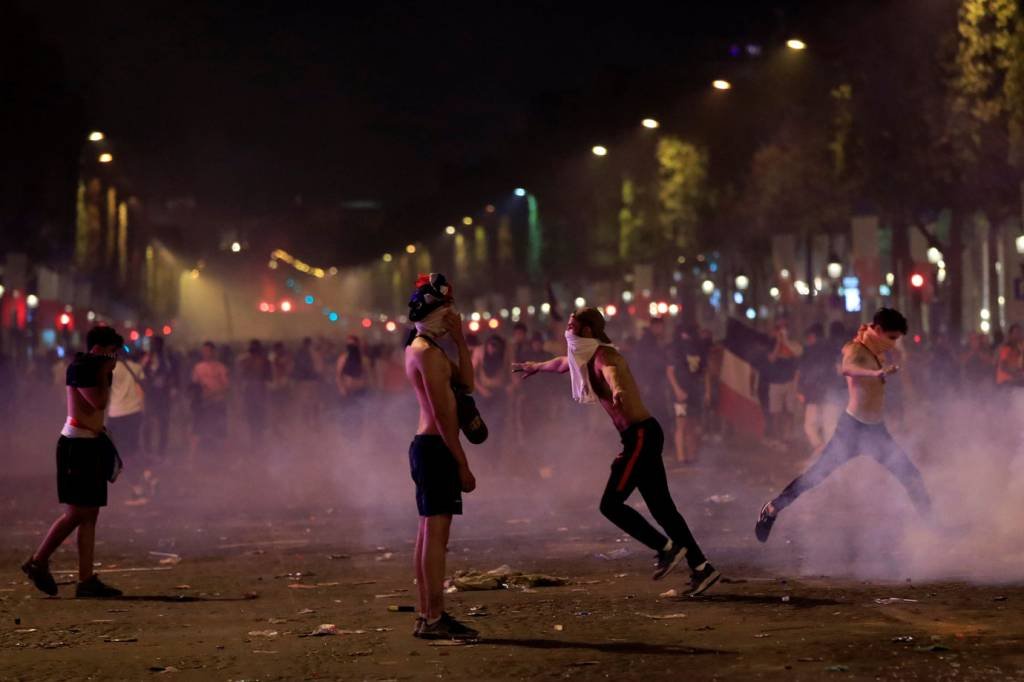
<point>917,280</point>
<point>65,319</point>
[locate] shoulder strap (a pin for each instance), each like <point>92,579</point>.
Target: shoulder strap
<point>872,353</point>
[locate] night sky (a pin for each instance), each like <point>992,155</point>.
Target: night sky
<point>431,109</point>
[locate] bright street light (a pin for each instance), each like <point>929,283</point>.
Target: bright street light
<point>467,221</point>
<point>600,151</point>
<point>96,136</point>
<point>721,84</point>
<point>386,258</point>
<point>235,247</point>
<point>411,248</point>
<point>450,230</point>
<point>650,123</point>
<point>106,157</point>
<point>32,301</point>
<point>519,192</point>
<point>796,44</point>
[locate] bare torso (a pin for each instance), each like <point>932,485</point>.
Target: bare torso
<point>629,409</point>
<point>414,354</point>
<point>867,394</point>
<point>81,410</point>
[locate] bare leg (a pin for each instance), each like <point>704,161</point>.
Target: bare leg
<point>680,439</point>
<point>58,533</point>
<point>87,543</point>
<point>418,558</point>
<point>692,439</point>
<point>434,550</point>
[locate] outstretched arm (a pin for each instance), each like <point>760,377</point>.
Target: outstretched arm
<point>559,365</point>
<point>856,363</point>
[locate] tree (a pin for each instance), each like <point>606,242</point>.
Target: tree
<point>682,192</point>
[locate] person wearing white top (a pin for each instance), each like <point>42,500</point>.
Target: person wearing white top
<point>127,404</point>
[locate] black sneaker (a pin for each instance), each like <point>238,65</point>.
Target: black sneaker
<point>39,573</point>
<point>668,560</point>
<point>94,588</point>
<point>420,620</point>
<point>765,521</point>
<point>703,579</point>
<point>446,627</point>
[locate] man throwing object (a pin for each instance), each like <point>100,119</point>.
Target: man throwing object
<point>599,373</point>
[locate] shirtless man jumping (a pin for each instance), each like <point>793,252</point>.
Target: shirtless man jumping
<point>600,373</point>
<point>438,463</point>
<point>861,429</point>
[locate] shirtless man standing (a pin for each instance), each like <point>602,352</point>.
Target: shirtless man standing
<point>599,373</point>
<point>861,429</point>
<point>86,460</point>
<point>436,458</point>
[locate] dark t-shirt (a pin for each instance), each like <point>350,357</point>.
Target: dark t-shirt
<point>689,359</point>
<point>86,371</point>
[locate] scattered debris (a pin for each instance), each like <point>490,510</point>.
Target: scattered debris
<point>580,664</point>
<point>306,612</point>
<point>559,628</point>
<point>339,556</point>
<point>903,639</point>
<point>663,616</point>
<point>1000,598</point>
<point>17,621</point>
<point>121,640</point>
<point>390,595</point>
<point>837,669</point>
<point>25,631</point>
<point>669,593</point>
<point>400,608</point>
<point>451,642</point>
<point>296,575</point>
<point>301,586</point>
<point>167,558</point>
<point>183,587</point>
<point>582,614</point>
<point>500,578</point>
<point>386,556</point>
<point>263,633</point>
<point>620,553</point>
<point>785,599</point>
<point>809,659</point>
<point>721,499</point>
<point>894,600</point>
<point>479,611</point>
<point>932,649</point>
<point>762,635</point>
<point>163,669</point>
<point>621,575</point>
<point>277,621</point>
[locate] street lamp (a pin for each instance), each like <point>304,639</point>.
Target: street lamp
<point>796,44</point>
<point>411,248</point>
<point>235,247</point>
<point>519,192</point>
<point>450,230</point>
<point>106,157</point>
<point>721,84</point>
<point>96,136</point>
<point>386,258</point>
<point>650,123</point>
<point>32,301</point>
<point>467,221</point>
<point>599,150</point>
<point>742,282</point>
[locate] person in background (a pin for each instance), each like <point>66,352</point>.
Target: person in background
<point>687,377</point>
<point>125,416</point>
<point>254,374</point>
<point>977,365</point>
<point>352,371</point>
<point>781,374</point>
<point>213,383</point>
<point>492,385</point>
<point>161,381</point>
<point>816,372</point>
<point>280,388</point>
<point>649,355</point>
<point>306,380</point>
<point>86,461</point>
<point>1010,365</point>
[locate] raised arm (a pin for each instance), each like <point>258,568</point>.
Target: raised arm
<point>463,371</point>
<point>434,369</point>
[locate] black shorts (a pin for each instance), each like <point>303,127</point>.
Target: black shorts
<point>84,465</point>
<point>436,474</point>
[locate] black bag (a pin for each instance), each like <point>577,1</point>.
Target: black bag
<point>470,421</point>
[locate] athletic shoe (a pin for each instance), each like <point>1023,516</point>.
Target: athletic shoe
<point>446,627</point>
<point>703,579</point>
<point>765,521</point>
<point>39,573</point>
<point>94,588</point>
<point>420,620</point>
<point>668,560</point>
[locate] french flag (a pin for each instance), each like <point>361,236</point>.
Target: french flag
<point>745,351</point>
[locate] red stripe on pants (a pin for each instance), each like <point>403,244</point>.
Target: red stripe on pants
<point>632,460</point>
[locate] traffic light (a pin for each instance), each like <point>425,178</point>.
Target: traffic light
<point>917,281</point>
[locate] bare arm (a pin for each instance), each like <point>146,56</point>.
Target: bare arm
<point>612,373</point>
<point>559,365</point>
<point>442,401</point>
<point>677,390</point>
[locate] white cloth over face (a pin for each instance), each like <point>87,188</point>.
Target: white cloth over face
<point>433,324</point>
<point>580,351</point>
